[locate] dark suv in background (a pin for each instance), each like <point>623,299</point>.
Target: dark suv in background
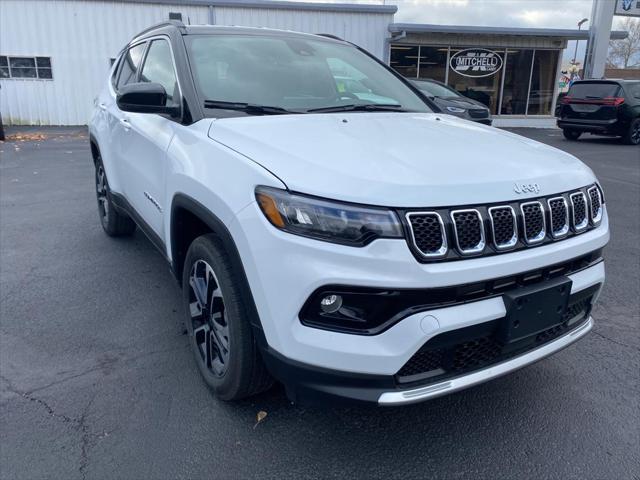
<point>603,107</point>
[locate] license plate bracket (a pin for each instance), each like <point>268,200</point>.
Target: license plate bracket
<point>534,309</point>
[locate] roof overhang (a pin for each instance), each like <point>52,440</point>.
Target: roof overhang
<point>277,5</point>
<point>567,34</point>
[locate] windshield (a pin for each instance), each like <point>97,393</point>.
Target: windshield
<point>435,89</point>
<point>292,73</point>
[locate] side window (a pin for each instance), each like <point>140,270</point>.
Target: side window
<point>158,68</point>
<point>130,63</point>
<point>114,75</point>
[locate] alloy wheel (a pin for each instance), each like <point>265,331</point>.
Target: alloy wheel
<point>101,192</point>
<point>210,329</point>
<point>635,133</point>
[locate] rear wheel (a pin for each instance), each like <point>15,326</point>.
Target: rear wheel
<point>632,137</point>
<point>114,223</point>
<point>571,134</point>
<point>219,323</point>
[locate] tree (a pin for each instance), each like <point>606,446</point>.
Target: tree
<point>626,53</point>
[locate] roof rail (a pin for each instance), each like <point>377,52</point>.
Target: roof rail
<point>175,23</point>
<point>330,35</point>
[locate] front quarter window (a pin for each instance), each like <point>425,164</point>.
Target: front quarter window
<point>293,73</point>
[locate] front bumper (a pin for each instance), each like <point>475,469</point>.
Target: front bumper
<point>313,385</point>
<point>284,270</point>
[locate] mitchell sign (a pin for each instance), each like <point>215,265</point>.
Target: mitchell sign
<point>476,62</point>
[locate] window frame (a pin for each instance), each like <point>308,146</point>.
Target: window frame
<point>143,61</point>
<point>35,67</point>
<point>144,42</point>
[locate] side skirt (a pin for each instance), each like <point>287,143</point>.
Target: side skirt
<point>122,204</point>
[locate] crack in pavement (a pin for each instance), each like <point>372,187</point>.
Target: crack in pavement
<point>78,424</point>
<point>100,367</point>
<point>616,341</point>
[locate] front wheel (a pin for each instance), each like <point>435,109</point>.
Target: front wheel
<point>571,134</point>
<point>632,137</point>
<point>219,323</point>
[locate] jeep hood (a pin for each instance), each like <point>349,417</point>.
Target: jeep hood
<point>399,159</point>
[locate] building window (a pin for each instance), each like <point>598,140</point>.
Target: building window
<point>433,63</point>
<point>516,82</point>
<point>543,79</point>
<point>404,59</point>
<point>26,67</point>
<point>485,89</point>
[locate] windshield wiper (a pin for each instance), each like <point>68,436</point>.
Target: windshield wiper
<point>361,107</point>
<point>249,108</point>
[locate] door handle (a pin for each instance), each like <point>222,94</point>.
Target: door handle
<point>125,123</point>
<point>103,106</point>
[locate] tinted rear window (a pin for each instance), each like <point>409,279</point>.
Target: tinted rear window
<point>594,90</point>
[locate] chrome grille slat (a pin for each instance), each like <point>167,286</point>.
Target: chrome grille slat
<point>559,215</point>
<point>595,205</point>
<point>468,228</point>
<point>580,220</point>
<point>504,226</point>
<point>428,233</point>
<point>534,222</point>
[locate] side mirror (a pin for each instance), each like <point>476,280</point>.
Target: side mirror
<point>145,97</point>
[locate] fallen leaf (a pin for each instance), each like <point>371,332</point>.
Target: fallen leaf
<point>260,417</point>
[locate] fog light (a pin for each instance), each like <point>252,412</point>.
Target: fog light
<point>331,303</point>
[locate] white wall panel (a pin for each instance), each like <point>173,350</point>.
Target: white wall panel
<point>80,37</point>
<point>367,30</point>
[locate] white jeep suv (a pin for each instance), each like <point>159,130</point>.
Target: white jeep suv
<point>354,246</point>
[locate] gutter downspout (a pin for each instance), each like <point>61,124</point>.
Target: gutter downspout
<point>212,15</point>
<point>387,45</point>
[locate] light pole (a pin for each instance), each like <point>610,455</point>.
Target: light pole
<point>580,23</point>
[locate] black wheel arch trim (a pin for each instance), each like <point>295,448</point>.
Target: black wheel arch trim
<point>217,227</point>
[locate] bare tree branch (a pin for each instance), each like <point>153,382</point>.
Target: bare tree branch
<point>626,53</point>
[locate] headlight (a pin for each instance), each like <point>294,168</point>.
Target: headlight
<point>327,220</point>
<point>456,110</point>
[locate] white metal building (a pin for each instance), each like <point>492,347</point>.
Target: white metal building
<point>54,55</point>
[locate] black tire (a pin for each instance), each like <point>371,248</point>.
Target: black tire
<point>220,334</point>
<point>571,134</point>
<point>114,222</point>
<point>632,137</point>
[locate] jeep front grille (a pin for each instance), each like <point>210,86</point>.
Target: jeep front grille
<point>450,233</point>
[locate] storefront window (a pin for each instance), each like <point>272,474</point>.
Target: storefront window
<point>543,78</point>
<point>484,89</point>
<point>478,72</point>
<point>433,63</point>
<point>516,82</point>
<point>404,59</point>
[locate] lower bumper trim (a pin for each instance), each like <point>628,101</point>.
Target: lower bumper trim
<point>431,391</point>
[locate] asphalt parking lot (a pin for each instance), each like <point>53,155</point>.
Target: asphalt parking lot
<point>97,380</point>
